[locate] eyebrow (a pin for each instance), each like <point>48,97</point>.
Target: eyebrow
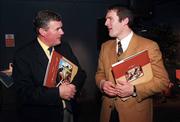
<point>108,17</point>
<point>58,28</point>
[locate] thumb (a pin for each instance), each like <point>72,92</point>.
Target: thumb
<point>121,82</point>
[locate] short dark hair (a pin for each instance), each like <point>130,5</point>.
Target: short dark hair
<point>122,13</point>
<point>43,18</point>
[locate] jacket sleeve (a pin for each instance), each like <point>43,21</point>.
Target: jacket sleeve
<point>160,80</point>
<point>100,73</point>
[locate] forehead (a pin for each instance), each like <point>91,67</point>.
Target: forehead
<point>53,23</point>
<point>111,14</point>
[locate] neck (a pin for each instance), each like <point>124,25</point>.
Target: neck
<point>124,33</point>
<point>42,39</point>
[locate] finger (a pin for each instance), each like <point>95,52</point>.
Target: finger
<point>122,82</point>
<point>112,93</point>
<point>112,85</point>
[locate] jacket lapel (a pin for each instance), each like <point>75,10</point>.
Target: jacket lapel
<point>113,55</point>
<point>41,56</point>
<point>132,48</point>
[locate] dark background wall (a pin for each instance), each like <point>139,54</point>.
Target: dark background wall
<point>82,23</point>
<point>80,18</point>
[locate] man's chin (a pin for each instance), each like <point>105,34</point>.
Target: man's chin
<point>57,43</point>
<point>111,34</point>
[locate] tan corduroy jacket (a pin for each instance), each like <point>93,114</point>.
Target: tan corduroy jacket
<point>135,109</point>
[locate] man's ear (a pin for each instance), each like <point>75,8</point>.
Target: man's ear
<point>42,31</point>
<point>126,20</point>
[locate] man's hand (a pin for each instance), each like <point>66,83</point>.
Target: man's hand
<point>124,89</point>
<point>67,91</point>
<point>8,71</point>
<point>109,88</point>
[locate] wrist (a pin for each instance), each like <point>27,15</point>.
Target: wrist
<point>134,94</point>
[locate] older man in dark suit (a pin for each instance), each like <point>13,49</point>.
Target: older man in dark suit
<point>37,102</point>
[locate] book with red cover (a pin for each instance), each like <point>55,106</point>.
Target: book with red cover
<point>135,69</point>
<point>59,70</point>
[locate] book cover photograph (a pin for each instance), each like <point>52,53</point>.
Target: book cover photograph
<point>134,73</point>
<point>135,69</point>
<point>64,72</point>
<point>59,70</point>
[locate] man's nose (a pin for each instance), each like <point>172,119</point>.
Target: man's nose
<point>61,32</point>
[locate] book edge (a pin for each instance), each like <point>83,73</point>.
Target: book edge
<point>128,58</point>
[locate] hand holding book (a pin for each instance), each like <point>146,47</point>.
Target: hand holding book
<point>108,87</point>
<point>67,91</point>
<point>121,88</point>
<point>124,88</point>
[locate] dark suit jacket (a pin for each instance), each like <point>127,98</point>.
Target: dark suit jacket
<point>36,102</point>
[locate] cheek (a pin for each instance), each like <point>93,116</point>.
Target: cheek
<point>52,35</point>
<point>50,38</point>
<point>117,27</point>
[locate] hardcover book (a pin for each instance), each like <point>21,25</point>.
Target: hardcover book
<point>135,69</point>
<point>59,70</point>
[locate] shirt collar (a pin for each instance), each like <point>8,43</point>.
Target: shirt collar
<point>44,46</point>
<point>125,41</point>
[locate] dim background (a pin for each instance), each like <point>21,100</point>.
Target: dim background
<point>83,24</point>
